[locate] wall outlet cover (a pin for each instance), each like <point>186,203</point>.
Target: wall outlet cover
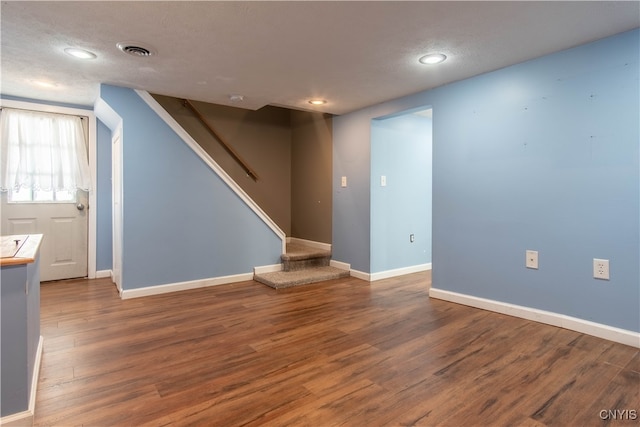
<point>531,260</point>
<point>601,269</point>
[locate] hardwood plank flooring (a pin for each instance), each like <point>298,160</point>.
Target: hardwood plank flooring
<point>340,353</point>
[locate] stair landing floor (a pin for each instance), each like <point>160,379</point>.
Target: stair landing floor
<point>287,279</point>
<point>305,265</point>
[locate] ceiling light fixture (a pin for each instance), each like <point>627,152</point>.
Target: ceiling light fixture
<point>236,98</point>
<point>432,58</point>
<point>45,84</point>
<point>80,53</point>
<point>317,101</point>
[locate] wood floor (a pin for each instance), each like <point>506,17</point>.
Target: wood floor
<point>344,352</point>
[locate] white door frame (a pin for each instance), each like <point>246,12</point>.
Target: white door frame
<point>92,145</point>
<point>116,204</point>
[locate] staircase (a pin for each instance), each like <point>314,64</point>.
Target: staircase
<point>302,265</point>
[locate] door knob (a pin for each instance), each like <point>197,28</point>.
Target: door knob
<point>80,206</point>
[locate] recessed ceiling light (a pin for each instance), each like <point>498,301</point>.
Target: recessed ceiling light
<point>317,101</point>
<point>80,53</point>
<point>45,84</point>
<point>432,58</point>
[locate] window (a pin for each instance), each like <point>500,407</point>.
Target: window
<point>43,157</point>
<point>26,195</point>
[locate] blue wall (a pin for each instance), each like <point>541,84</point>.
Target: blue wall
<point>181,221</point>
<point>352,204</point>
<point>542,155</point>
<point>104,246</point>
<point>401,151</point>
<point>20,334</point>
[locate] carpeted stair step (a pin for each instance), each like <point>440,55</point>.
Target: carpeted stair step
<point>287,279</point>
<point>300,257</point>
<point>302,265</point>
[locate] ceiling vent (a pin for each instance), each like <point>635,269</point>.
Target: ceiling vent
<point>136,49</point>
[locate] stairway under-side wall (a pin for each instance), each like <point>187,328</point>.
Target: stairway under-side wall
<point>291,152</point>
<point>302,265</point>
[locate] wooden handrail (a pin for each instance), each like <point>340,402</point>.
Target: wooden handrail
<point>233,153</point>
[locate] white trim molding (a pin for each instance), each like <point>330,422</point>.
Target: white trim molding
<point>20,419</point>
<point>340,265</point>
<point>399,272</point>
<point>360,275</point>
<point>372,277</point>
<point>101,274</point>
<point>599,330</point>
<point>183,286</point>
<point>268,268</point>
<point>200,152</point>
<point>25,418</point>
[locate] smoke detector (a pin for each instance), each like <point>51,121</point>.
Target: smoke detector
<point>136,49</point>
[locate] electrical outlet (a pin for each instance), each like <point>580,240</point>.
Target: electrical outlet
<point>531,260</point>
<point>601,269</point>
<point>412,238</point>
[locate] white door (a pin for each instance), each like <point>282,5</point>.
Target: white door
<point>61,216</point>
<point>63,253</point>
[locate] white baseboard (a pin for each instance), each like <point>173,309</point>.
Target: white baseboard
<point>100,274</point>
<point>372,277</point>
<point>36,375</point>
<point>340,265</point>
<point>183,286</point>
<point>399,272</point>
<point>21,419</point>
<point>267,268</point>
<point>599,330</point>
<point>25,418</point>
<point>360,275</point>
<point>310,243</point>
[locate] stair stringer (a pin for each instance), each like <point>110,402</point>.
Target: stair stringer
<point>208,160</point>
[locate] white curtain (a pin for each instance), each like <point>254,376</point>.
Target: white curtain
<point>42,151</point>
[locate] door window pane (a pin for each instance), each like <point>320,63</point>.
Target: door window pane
<point>26,195</point>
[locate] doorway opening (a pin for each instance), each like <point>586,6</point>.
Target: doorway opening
<point>401,183</point>
<point>65,220</point>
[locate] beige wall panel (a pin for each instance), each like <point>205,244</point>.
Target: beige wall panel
<point>311,176</point>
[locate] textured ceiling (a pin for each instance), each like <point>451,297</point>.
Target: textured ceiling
<point>351,53</point>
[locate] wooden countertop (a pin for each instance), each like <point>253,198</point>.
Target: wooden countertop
<point>20,249</point>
